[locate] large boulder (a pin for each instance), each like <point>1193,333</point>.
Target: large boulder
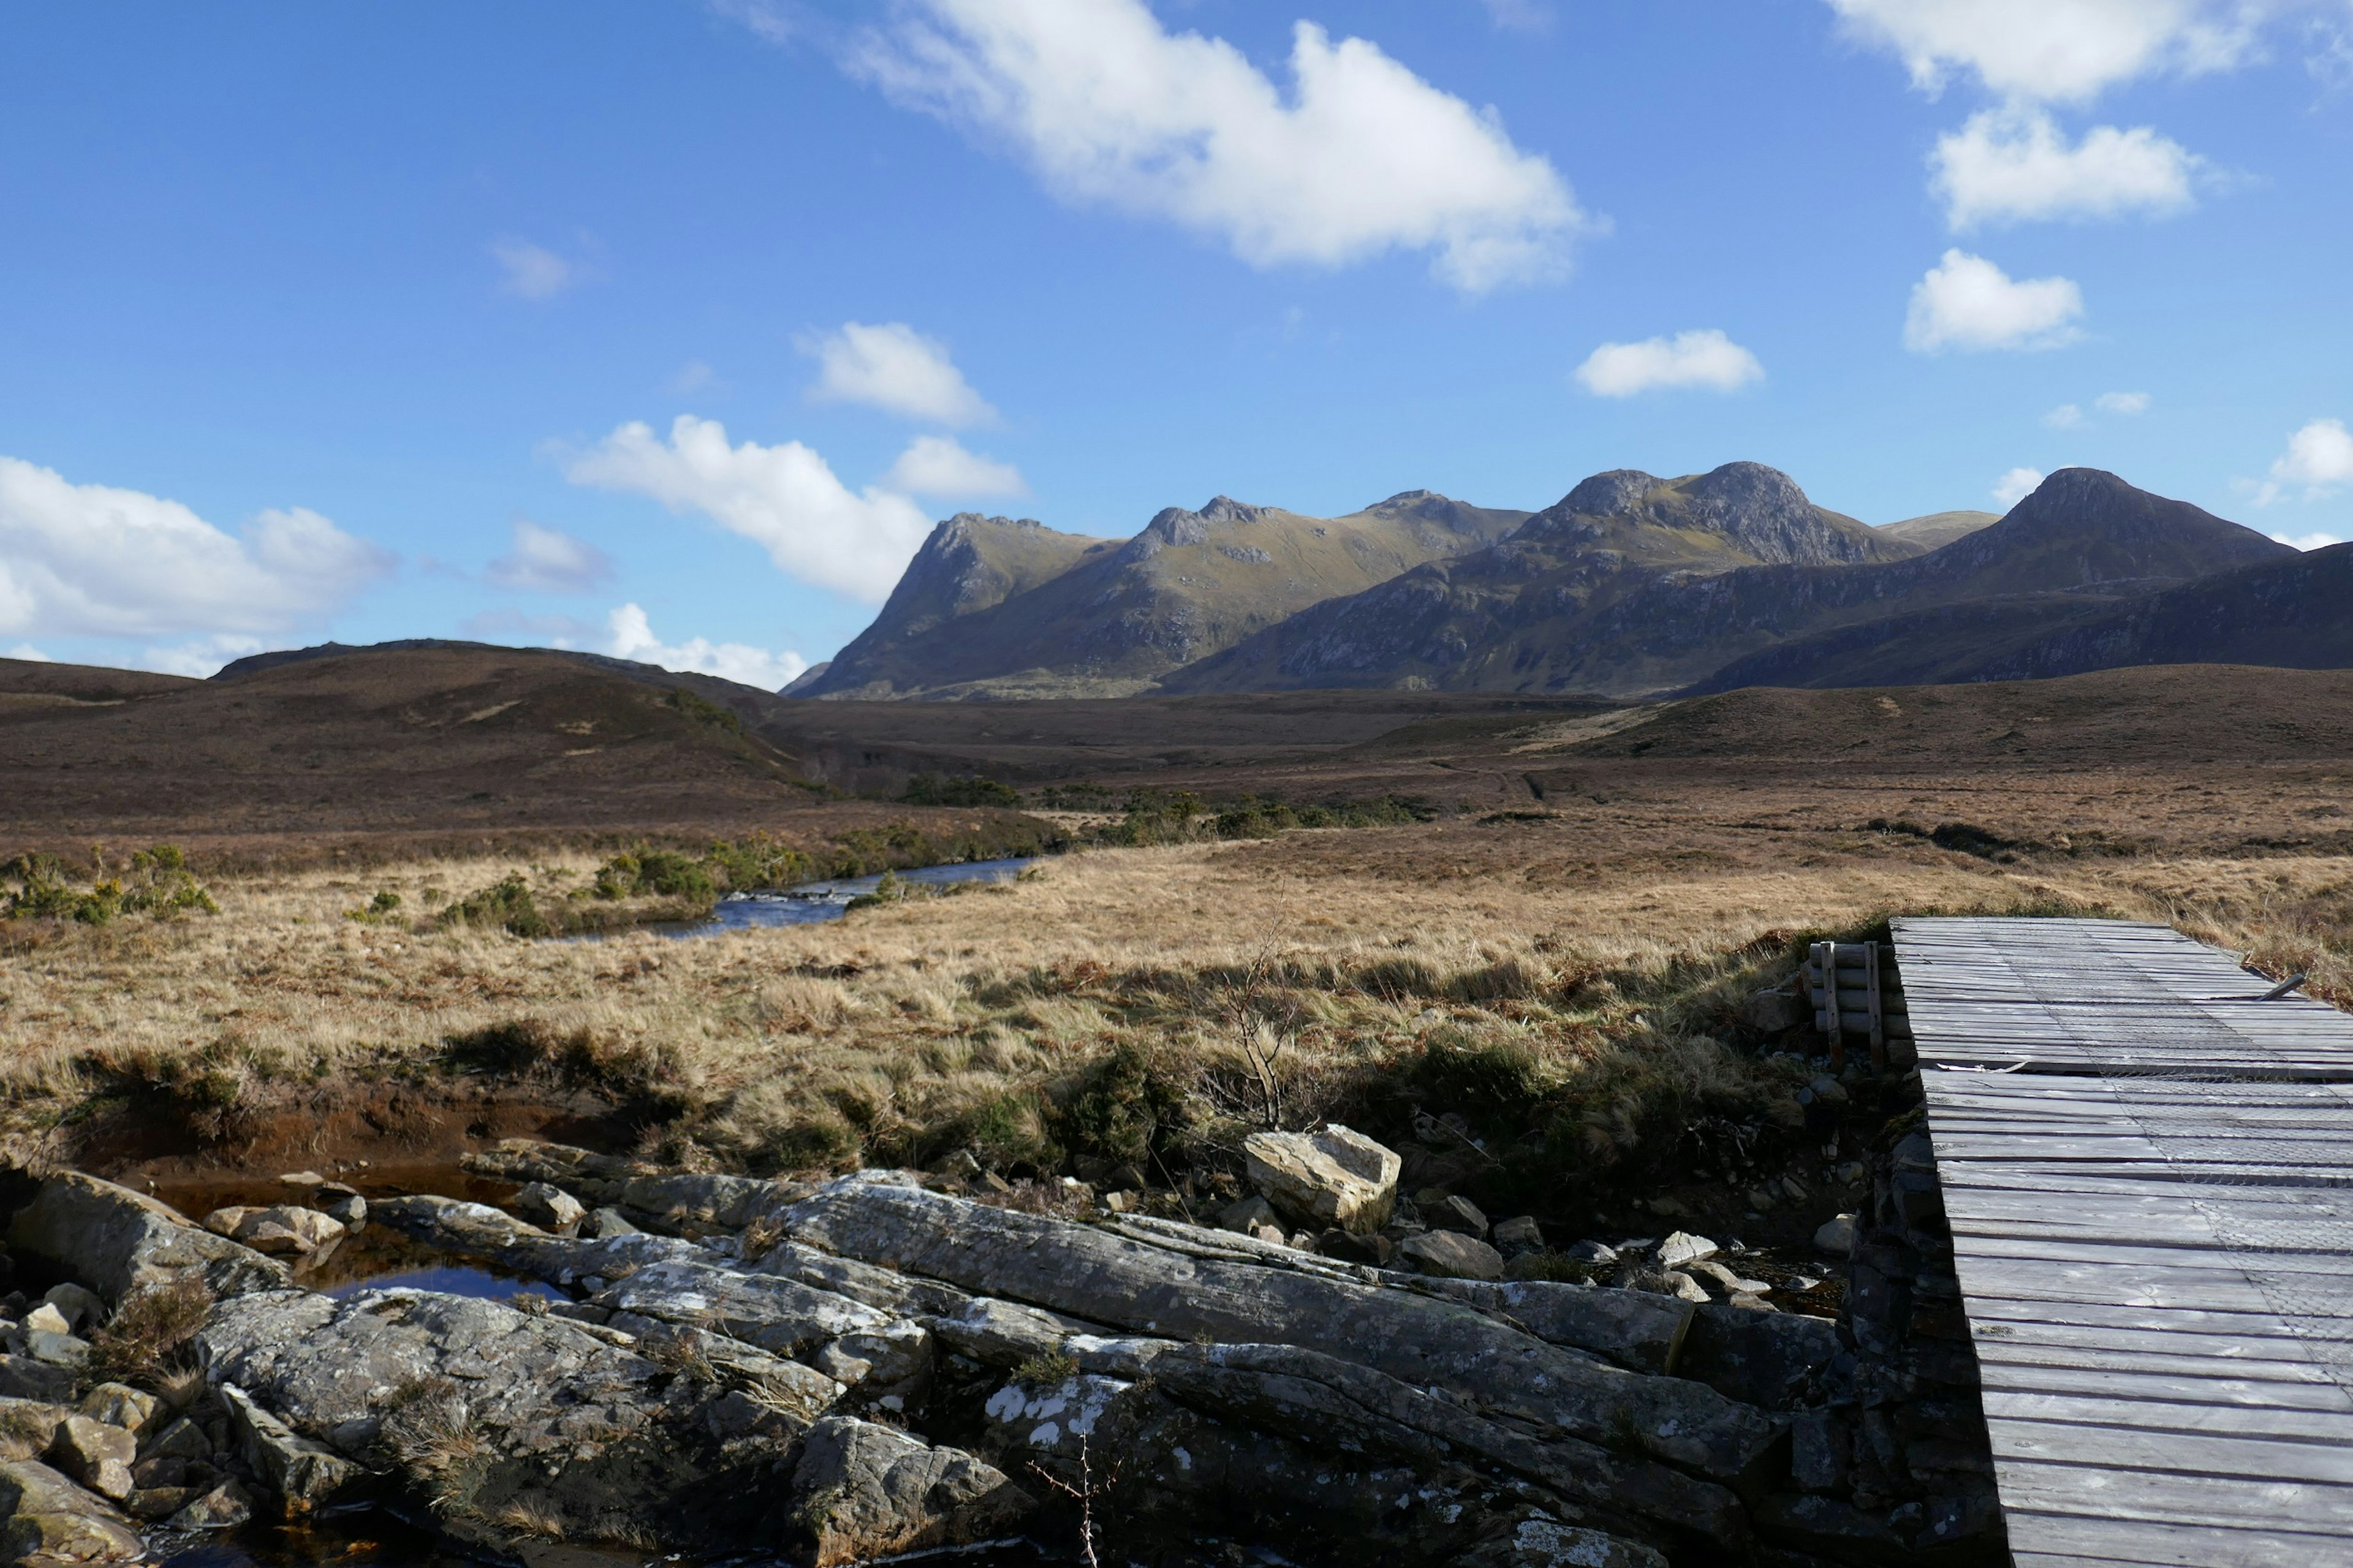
<point>1422,1340</point>
<point>863,1490</point>
<point>120,1242</point>
<point>487,1409</point>
<point>1337,1177</point>
<point>50,1520</point>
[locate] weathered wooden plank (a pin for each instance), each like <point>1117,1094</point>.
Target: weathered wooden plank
<point>2152,1386</point>
<point>2173,1416</point>
<point>2270,1385</point>
<point>2084,1440</point>
<point>2076,1541</point>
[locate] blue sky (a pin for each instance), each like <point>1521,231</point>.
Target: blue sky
<point>378,323</point>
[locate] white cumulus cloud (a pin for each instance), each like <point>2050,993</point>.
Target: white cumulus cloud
<point>531,271</point>
<point>1703,358</point>
<point>1357,156</point>
<point>896,369</point>
<point>2309,540</point>
<point>92,560</point>
<point>939,466</point>
<point>783,498</point>
<point>2127,403</point>
<point>2320,457</point>
<point>26,650</point>
<point>1967,302</point>
<point>550,561</point>
<point>2058,50</point>
<point>631,636</point>
<point>2016,486</point>
<point>2011,165</point>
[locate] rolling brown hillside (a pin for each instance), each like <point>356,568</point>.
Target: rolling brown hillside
<point>438,748</point>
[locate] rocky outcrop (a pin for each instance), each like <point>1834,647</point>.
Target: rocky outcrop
<point>1423,1341</point>
<point>486,1407</point>
<point>120,1242</point>
<point>862,1491</point>
<point>50,1520</point>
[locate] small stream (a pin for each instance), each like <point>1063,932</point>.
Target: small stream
<point>812,903</point>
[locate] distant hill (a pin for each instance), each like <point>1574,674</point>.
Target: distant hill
<point>453,747</point>
<point>1939,528</point>
<point>991,607</point>
<point>1568,601</point>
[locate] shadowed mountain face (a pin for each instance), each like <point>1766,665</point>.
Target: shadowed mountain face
<point>1732,580</point>
<point>2081,547</point>
<point>1520,615</point>
<point>991,608</point>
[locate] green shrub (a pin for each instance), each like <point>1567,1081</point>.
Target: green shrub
<point>933,789</point>
<point>158,882</point>
<point>704,712</point>
<point>506,905</point>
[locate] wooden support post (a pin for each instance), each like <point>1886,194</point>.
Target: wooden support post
<point>1878,1015</point>
<point>1826,1001</point>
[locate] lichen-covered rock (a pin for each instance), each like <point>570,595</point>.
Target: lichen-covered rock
<point>50,1520</point>
<point>878,1288</point>
<point>82,1309</point>
<point>476,1401</point>
<point>27,1427</point>
<point>1545,1542</point>
<point>768,1310</point>
<point>1773,1360</point>
<point>1418,1338</point>
<point>120,1242</point>
<point>120,1405</point>
<point>863,1490</point>
<point>547,1205</point>
<point>302,1473</point>
<point>95,1455</point>
<point>281,1230</point>
<point>1639,1330</point>
<point>24,1380</point>
<point>1337,1177</point>
<point>1452,1255</point>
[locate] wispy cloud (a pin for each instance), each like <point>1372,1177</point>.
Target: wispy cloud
<point>895,368</point>
<point>531,271</point>
<point>550,561</point>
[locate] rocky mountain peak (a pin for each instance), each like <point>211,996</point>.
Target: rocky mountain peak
<point>1607,494</point>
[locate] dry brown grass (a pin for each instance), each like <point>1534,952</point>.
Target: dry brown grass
<point>1134,1004</point>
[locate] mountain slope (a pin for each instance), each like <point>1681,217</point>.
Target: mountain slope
<point>1624,592</point>
<point>1939,528</point>
<point>2082,544</point>
<point>1511,617</point>
<point>1117,616</point>
<point>969,563</point>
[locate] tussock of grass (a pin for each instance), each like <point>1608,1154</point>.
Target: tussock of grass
<point>144,1337</point>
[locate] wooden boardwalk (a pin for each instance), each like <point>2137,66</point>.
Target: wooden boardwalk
<point>2148,1174</point>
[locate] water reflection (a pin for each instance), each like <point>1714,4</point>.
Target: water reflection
<point>813,902</point>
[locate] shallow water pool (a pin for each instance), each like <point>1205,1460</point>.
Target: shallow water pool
<point>813,902</point>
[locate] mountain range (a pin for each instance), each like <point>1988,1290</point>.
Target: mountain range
<point>1630,586</point>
